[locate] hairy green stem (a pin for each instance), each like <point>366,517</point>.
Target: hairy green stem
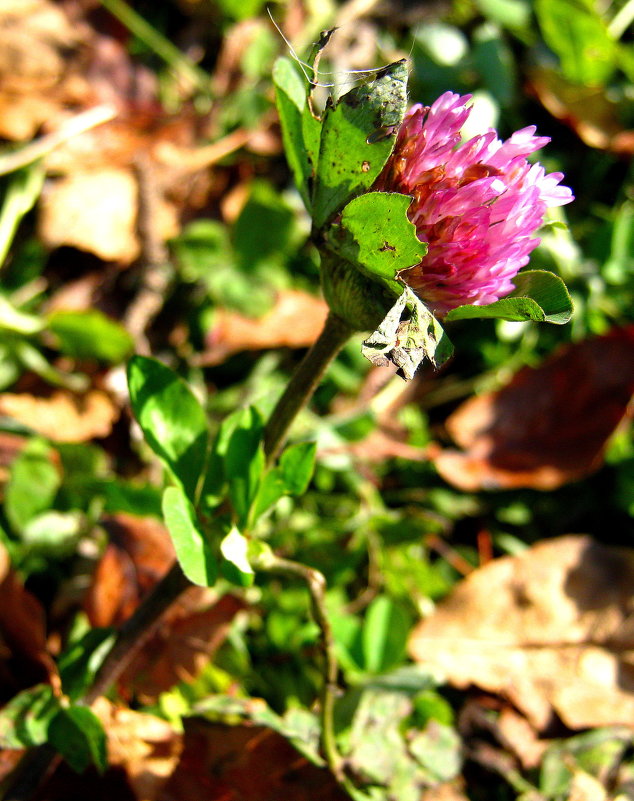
<point>304,382</point>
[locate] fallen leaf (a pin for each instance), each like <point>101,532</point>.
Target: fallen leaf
<point>97,211</point>
<point>588,110</point>
<point>23,633</point>
<point>36,40</point>
<point>139,553</point>
<point>189,634</point>
<point>551,629</point>
<point>64,416</point>
<point>146,747</point>
<point>245,763</point>
<point>295,321</point>
<point>549,425</point>
<point>447,791</point>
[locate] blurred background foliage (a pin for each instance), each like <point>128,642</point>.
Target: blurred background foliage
<point>392,528</point>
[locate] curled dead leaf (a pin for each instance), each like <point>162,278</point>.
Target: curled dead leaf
<point>551,629</point>
<point>295,321</point>
<point>139,553</point>
<point>23,634</point>
<point>245,763</point>
<point>549,425</point>
<point>97,211</point>
<point>146,747</point>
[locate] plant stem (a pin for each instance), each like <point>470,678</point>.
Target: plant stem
<point>170,54</point>
<point>136,630</point>
<point>316,584</point>
<point>304,382</point>
<point>39,762</point>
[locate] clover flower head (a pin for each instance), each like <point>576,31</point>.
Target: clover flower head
<point>476,204</point>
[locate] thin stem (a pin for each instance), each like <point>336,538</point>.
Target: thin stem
<point>316,584</point>
<point>170,54</point>
<point>136,631</point>
<point>304,382</point>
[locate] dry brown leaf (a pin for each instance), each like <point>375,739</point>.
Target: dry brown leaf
<point>35,40</point>
<point>587,110</point>
<point>521,738</point>
<point>188,636</point>
<point>64,416</point>
<point>448,791</point>
<point>549,425</point>
<point>97,211</point>
<point>23,632</point>
<point>139,553</point>
<point>295,321</point>
<point>245,763</point>
<point>146,747</point>
<point>551,629</point>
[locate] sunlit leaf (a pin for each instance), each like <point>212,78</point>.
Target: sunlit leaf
<point>172,419</point>
<point>377,237</point>
<point>300,130</point>
<point>78,734</point>
<point>90,334</point>
<point>193,551</point>
<point>357,138</point>
<point>236,567</point>
<point>539,295</point>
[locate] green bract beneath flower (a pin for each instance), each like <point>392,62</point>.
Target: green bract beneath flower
<point>398,202</point>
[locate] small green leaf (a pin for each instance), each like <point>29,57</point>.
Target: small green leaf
<point>300,130</point>
<point>16,321</point>
<point>290,477</point>
<point>578,34</point>
<point>90,334</point>
<point>296,467</point>
<point>271,489</point>
<point>19,196</point>
<point>357,138</point>
<point>24,720</point>
<point>376,236</point>
<point>244,462</point>
<point>78,735</point>
<point>236,567</point>
<point>80,662</point>
<point>33,484</point>
<point>173,421</point>
<point>539,295</point>
<point>384,634</point>
<point>54,533</point>
<point>193,551</point>
<point>408,334</point>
